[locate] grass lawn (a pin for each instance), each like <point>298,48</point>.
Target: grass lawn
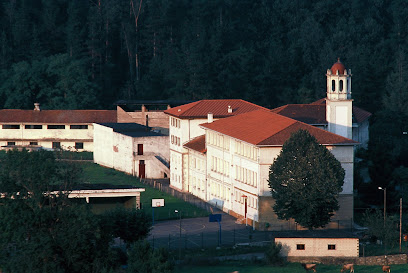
<point>289,268</point>
<point>95,174</point>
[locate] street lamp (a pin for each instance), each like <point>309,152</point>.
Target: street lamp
<point>179,212</point>
<point>385,201</point>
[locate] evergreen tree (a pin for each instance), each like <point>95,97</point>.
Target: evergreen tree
<point>305,180</point>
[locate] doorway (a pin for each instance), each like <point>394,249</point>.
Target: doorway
<point>142,169</point>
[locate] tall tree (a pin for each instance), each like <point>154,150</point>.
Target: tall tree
<point>305,180</point>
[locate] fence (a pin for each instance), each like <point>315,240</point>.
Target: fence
<point>228,238</point>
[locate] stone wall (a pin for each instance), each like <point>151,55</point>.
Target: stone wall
<point>371,260</point>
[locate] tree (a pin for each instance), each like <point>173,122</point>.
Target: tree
<point>46,232</point>
<point>130,225</point>
<point>144,259</point>
<point>380,230</point>
<point>58,82</point>
<point>305,180</point>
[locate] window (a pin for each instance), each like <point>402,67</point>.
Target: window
<point>79,145</point>
<point>333,85</point>
<point>33,143</point>
<point>56,145</point>
<point>140,149</point>
<point>84,127</point>
<point>33,126</point>
<point>331,247</point>
<point>300,246</point>
<point>11,126</point>
<point>56,126</point>
<point>11,143</point>
<point>341,85</point>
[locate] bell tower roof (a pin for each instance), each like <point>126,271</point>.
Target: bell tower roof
<point>339,66</point>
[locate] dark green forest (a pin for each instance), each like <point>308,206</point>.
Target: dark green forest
<point>77,54</point>
<point>83,54</point>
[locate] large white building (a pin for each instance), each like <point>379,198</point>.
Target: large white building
<point>184,126</point>
<point>51,129</point>
<point>226,161</point>
<point>240,151</point>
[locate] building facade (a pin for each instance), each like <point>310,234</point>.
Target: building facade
<point>318,246</point>
<point>239,149</point>
<point>132,148</point>
<point>50,129</point>
<point>184,124</point>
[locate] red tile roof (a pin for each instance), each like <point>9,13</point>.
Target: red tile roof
<point>197,144</point>
<point>219,108</point>
<point>57,116</point>
<point>339,66</point>
<point>315,113</point>
<point>307,113</point>
<point>264,128</point>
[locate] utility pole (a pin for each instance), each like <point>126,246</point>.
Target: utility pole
<point>400,226</point>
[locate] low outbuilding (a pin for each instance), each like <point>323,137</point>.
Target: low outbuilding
<point>318,244</point>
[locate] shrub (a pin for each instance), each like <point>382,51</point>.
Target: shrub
<point>273,255</point>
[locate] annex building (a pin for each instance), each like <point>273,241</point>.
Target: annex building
<point>50,129</point>
<point>222,153</point>
<point>132,148</point>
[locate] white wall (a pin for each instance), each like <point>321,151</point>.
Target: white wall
<point>67,137</point>
<point>152,146</point>
<point>119,151</point>
<point>267,157</point>
<point>345,154</point>
<point>180,132</point>
<point>103,145</point>
<point>345,247</point>
<point>122,153</point>
<point>196,177</point>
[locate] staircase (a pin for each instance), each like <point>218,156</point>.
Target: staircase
<point>162,164</point>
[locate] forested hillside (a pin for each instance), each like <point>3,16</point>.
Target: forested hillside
<point>76,54</point>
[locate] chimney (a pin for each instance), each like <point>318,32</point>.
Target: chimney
<point>229,109</point>
<point>210,117</point>
<point>36,106</point>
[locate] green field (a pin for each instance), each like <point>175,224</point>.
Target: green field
<point>95,174</point>
<point>289,268</point>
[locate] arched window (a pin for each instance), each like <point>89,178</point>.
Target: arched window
<point>341,85</point>
<point>333,85</point>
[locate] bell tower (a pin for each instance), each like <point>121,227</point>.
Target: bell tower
<point>339,105</point>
